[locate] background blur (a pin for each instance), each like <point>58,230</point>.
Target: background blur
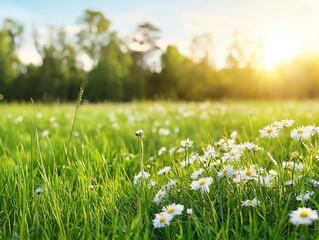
<point>137,50</point>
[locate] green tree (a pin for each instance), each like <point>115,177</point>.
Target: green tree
<point>110,79</point>
<point>10,65</point>
<point>174,80</point>
<point>94,34</point>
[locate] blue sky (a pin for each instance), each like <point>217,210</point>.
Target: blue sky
<point>275,21</point>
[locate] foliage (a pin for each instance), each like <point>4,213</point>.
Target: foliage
<point>138,68</point>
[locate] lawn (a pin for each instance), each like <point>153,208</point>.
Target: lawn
<point>212,170</point>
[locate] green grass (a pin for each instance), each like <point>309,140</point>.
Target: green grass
<point>87,183</point>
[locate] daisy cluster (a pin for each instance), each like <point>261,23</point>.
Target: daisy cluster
<point>234,163</point>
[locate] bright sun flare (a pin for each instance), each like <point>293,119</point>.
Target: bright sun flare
<point>278,49</point>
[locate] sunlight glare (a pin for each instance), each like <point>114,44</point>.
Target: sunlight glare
<point>278,49</point>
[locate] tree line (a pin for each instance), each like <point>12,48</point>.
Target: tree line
<point>137,68</point>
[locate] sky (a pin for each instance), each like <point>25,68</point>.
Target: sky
<point>286,27</point>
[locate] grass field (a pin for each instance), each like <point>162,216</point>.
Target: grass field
<point>229,181</point>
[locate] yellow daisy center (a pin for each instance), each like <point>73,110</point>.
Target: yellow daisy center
<point>187,142</point>
<point>299,131</point>
<point>248,172</point>
<point>249,202</point>
<point>225,171</point>
<point>232,154</point>
<point>170,210</point>
<point>159,195</point>
<point>162,219</point>
<point>304,213</point>
<point>201,183</point>
<point>269,130</point>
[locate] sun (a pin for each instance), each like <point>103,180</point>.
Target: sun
<point>278,49</point>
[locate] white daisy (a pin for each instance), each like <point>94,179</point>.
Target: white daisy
<point>202,184</point>
<point>173,209</point>
<point>269,131</point>
<point>161,151</point>
<point>197,173</point>
<point>45,133</point>
<point>189,211</point>
<point>303,216</point>
<point>265,181</point>
<point>233,154</point>
<point>284,123</point>
<point>162,219</point>
<point>227,170</point>
<point>248,174</point>
<point>38,191</point>
<point>251,203</point>
<point>164,170</point>
<point>315,183</point>
<point>164,131</point>
<point>305,196</point>
<point>187,143</point>
<point>141,175</point>
<point>159,196</point>
<point>151,184</point>
<point>300,133</point>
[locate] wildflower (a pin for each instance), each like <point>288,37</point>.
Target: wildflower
<point>38,191</point>
<point>52,119</point>
<point>187,143</point>
<point>39,115</point>
<point>159,196</point>
<point>162,219</point>
<point>292,165</point>
<point>197,173</point>
<point>305,197</point>
<point>273,173</point>
<point>290,182</point>
<point>171,150</point>
<point>202,183</point>
<point>76,134</point>
<point>189,211</point>
<point>215,164</point>
<point>303,216</point>
<point>233,135</point>
<point>164,132</point>
<point>252,203</point>
<point>269,131</point>
<point>284,123</point>
<point>173,209</point>
<point>139,133</point>
<point>91,187</point>
<point>300,133</point>
<point>210,152</point>
<point>164,170</point>
<point>233,154</point>
<point>187,162</point>
<point>248,174</point>
<point>141,175</point>
<point>171,184</point>
<point>45,133</point>
<point>162,150</point>
<point>250,146</point>
<point>227,170</point>
<point>18,119</point>
<point>314,182</point>
<point>265,181</point>
<point>151,184</point>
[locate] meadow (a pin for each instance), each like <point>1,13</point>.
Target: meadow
<point>160,170</point>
